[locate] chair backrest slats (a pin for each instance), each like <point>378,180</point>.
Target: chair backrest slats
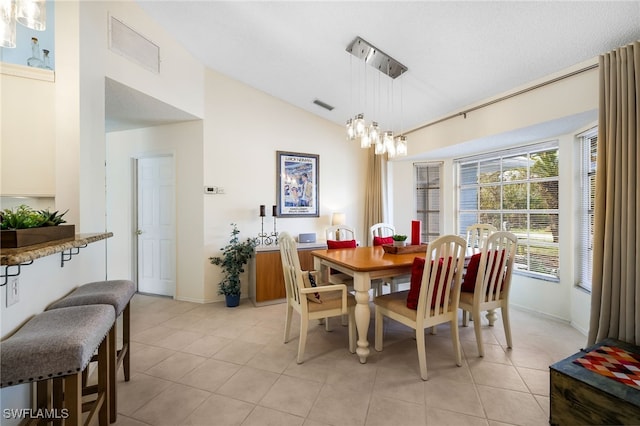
<point>290,266</point>
<point>496,266</point>
<point>381,230</point>
<point>442,276</point>
<point>340,233</point>
<point>477,234</point>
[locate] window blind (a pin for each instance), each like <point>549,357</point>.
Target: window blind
<point>516,190</point>
<point>427,197</point>
<point>589,141</point>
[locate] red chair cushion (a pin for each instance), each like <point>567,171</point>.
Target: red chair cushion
<point>469,283</point>
<point>333,244</point>
<point>417,270</point>
<point>378,241</point>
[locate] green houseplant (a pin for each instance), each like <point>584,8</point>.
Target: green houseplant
<point>23,226</point>
<point>235,255</point>
<point>399,240</point>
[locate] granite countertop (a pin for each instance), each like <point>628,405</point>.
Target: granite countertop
<point>16,256</point>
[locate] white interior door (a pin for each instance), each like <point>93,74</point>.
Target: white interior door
<point>156,226</point>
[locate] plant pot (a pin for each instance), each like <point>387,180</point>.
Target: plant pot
<point>30,236</point>
<point>399,243</point>
<point>232,300</point>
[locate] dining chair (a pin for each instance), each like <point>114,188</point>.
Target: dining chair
<point>340,233</point>
<point>432,298</point>
<point>382,233</point>
<point>478,233</point>
<point>487,283</point>
<point>312,300</point>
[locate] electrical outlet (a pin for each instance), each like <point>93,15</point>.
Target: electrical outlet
<point>13,291</point>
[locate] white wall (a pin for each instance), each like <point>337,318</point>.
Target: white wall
<point>568,97</point>
<point>184,142</point>
<point>242,132</point>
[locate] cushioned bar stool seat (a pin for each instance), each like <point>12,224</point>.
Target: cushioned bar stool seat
<point>60,344</point>
<point>117,293</point>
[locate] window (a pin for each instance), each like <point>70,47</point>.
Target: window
<point>516,190</point>
<point>427,178</point>
<point>589,141</point>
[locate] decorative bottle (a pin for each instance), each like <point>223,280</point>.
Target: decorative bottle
<point>34,60</point>
<point>45,59</point>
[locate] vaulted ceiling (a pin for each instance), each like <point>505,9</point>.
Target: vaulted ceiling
<point>457,53</point>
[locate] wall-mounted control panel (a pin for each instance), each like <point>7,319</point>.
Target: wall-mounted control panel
<point>212,190</point>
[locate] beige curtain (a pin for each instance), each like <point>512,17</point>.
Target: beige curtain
<point>615,299</point>
<point>374,192</point>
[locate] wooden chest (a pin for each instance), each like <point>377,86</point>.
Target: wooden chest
<point>580,396</point>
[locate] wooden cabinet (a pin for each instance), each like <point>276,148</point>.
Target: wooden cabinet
<point>265,271</point>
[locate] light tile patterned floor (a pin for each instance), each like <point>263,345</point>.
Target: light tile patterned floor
<point>206,365</point>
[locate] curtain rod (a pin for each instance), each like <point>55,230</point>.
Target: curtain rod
<point>503,98</point>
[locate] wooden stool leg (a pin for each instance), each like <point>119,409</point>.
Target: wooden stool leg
<point>73,398</point>
<point>113,370</point>
<point>104,387</point>
<point>126,330</point>
<point>58,394</point>
<point>43,394</point>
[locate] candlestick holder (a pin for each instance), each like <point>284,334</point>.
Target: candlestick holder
<point>265,239</point>
<point>274,234</point>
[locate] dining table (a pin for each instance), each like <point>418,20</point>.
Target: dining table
<point>364,264</point>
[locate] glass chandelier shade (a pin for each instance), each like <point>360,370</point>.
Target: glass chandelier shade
<point>389,143</point>
<point>351,131</point>
<point>401,146</point>
<point>7,23</point>
<point>32,14</point>
<point>359,125</point>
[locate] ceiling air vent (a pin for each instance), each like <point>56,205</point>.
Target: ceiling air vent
<point>124,41</point>
<point>322,104</point>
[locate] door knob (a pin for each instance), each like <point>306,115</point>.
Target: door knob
<point>139,232</point>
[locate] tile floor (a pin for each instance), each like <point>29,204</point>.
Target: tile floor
<point>196,364</point>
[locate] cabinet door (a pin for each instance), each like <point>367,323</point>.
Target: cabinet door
<point>269,276</point>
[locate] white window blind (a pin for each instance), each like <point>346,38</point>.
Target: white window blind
<point>589,142</point>
<point>516,190</point>
<point>428,181</point>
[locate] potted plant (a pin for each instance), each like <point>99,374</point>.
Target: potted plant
<point>23,226</point>
<point>399,240</point>
<point>235,255</point>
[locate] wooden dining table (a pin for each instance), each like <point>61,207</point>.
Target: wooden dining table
<point>364,264</point>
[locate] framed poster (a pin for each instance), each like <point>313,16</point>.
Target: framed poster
<point>297,184</point>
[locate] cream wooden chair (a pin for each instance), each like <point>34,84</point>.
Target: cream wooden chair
<point>340,233</point>
<point>383,230</point>
<point>335,300</point>
<point>488,281</point>
<point>478,233</point>
<point>441,281</point>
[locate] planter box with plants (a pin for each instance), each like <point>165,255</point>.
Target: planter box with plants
<point>235,255</point>
<point>23,226</point>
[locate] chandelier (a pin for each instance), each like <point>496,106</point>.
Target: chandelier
<point>370,133</point>
<point>30,13</point>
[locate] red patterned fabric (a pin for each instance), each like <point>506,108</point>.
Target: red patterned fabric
<point>378,241</point>
<point>417,270</point>
<point>333,244</point>
<point>614,363</point>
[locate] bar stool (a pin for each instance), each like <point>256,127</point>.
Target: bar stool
<point>59,344</point>
<point>117,293</point>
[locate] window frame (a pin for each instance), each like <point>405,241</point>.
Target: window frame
<point>498,157</point>
<point>424,214</point>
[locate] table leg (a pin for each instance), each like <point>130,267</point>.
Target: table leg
<point>362,284</point>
